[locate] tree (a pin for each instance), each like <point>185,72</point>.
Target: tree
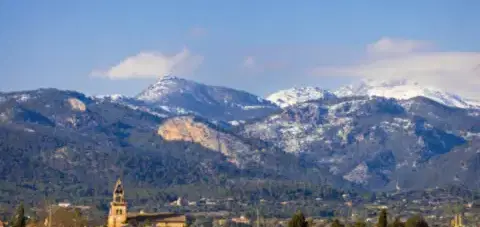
<point>416,221</point>
<point>298,220</point>
<point>147,223</point>
<point>19,218</point>
<point>422,223</point>
<point>397,223</point>
<point>382,219</point>
<point>360,223</point>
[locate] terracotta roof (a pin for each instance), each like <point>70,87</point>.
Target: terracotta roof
<point>156,217</point>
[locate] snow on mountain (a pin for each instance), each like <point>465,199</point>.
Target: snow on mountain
<point>359,174</point>
<point>163,87</point>
<point>132,103</point>
<point>403,89</point>
<point>171,85</point>
<point>368,140</point>
<point>289,97</point>
<point>219,103</point>
<point>113,97</point>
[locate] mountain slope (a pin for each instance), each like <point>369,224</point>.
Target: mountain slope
<point>289,97</point>
<point>367,141</point>
<point>67,145</point>
<point>213,102</point>
<point>375,142</point>
<point>402,90</point>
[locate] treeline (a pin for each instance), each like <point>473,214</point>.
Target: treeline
<point>299,220</point>
<point>52,217</point>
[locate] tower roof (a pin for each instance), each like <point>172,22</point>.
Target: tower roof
<point>118,187</point>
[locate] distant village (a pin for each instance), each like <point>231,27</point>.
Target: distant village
<point>437,210</point>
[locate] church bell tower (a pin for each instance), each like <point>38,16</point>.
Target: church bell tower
<point>117,216</point>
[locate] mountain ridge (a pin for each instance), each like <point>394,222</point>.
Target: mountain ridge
<point>292,96</point>
<point>182,96</point>
<point>400,89</point>
<point>363,142</point>
<point>403,89</point>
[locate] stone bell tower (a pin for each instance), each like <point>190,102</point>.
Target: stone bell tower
<point>117,216</point>
<point>457,221</point>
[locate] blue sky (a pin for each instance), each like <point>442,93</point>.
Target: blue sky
<point>258,46</point>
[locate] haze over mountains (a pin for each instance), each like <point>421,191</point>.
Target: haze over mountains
<point>180,132</point>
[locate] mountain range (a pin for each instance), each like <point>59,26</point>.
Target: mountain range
<point>179,96</point>
<point>400,89</point>
<point>180,132</point>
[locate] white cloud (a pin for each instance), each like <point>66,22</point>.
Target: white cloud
<point>432,64</point>
<point>452,71</point>
<point>249,62</point>
<point>152,65</point>
<point>391,46</point>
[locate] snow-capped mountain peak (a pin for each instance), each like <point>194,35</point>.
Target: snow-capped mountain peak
<point>292,96</point>
<point>205,100</point>
<point>404,89</point>
<point>162,87</point>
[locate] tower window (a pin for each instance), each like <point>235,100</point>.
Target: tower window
<point>119,212</point>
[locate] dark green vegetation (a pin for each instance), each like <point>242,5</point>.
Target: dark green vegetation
<point>19,220</point>
<point>337,223</point>
<point>52,151</point>
<point>298,220</point>
<point>382,219</point>
<point>62,145</point>
<point>416,221</point>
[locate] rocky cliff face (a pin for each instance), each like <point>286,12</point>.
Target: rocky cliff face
<point>187,129</point>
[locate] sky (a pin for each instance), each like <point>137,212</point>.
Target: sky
<point>120,47</point>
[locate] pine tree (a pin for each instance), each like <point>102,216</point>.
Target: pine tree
<point>19,219</point>
<point>298,220</point>
<point>382,219</point>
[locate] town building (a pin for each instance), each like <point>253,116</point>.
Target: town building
<point>119,217</point>
<point>241,220</point>
<point>180,202</point>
